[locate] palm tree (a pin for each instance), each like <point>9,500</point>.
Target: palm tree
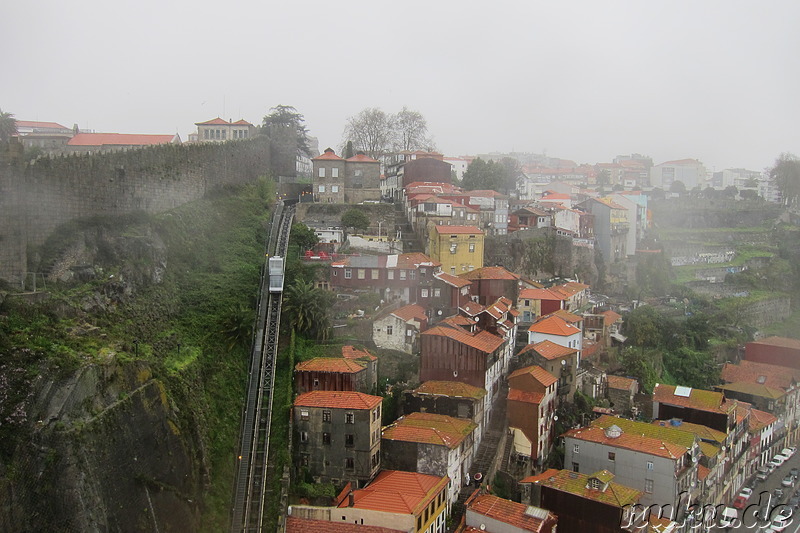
<point>8,126</point>
<point>306,309</point>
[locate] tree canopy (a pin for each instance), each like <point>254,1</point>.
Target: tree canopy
<point>8,126</point>
<point>786,176</point>
<point>303,236</point>
<point>288,116</point>
<point>356,219</point>
<point>492,175</point>
<point>377,133</point>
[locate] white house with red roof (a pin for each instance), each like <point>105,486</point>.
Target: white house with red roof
<point>49,136</point>
<point>488,513</point>
<point>88,143</point>
<point>352,180</point>
<point>400,329</point>
<point>218,130</point>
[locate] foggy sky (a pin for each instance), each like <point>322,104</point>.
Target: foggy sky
<point>713,80</point>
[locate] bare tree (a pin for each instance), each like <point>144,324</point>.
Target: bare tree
<point>786,176</point>
<point>409,131</point>
<point>370,132</point>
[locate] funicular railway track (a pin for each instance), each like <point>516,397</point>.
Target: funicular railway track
<point>248,511</point>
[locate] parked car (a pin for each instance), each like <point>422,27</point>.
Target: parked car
<point>741,499</point>
<point>788,480</point>
<point>762,473</point>
<point>777,493</point>
<point>777,461</point>
<point>795,472</point>
<point>729,517</point>
<point>787,452</point>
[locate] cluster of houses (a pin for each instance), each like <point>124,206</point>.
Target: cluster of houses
<point>51,137</point>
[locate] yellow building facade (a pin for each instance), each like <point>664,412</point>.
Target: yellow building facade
<point>458,248</point>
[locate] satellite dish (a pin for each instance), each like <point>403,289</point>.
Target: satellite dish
<point>439,312</point>
<point>455,373</point>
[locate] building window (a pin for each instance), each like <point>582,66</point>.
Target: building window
<point>388,330</point>
<point>576,448</point>
<point>362,274</point>
<point>348,440</point>
<point>303,436</point>
<point>322,172</point>
<point>575,467</point>
<point>348,418</point>
<point>423,293</point>
<point>326,438</point>
<point>649,465</point>
<point>390,274</point>
<point>453,271</point>
<point>648,486</point>
<point>402,274</point>
<point>612,456</point>
<point>321,188</point>
<point>326,416</point>
<point>348,273</point>
<point>334,188</point>
<point>472,247</point>
<point>334,172</point>
<point>527,303</point>
<point>375,273</point>
<point>437,293</point>
<point>376,413</point>
<point>453,248</point>
<point>349,463</point>
<point>305,459</point>
<point>303,414</point>
<point>412,274</point>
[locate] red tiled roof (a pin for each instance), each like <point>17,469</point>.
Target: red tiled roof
<point>567,316</point>
<point>774,376</point>
<point>578,484</point>
<point>609,317</point>
<point>328,155</point>
<point>556,196</point>
<point>549,350</point>
<point>526,397</point>
<point>349,352</point>
<point>409,312</point>
<point>451,280</point>
<point>414,260</point>
<point>456,230</point>
<point>454,389</point>
<point>540,294</point>
<point>213,122</point>
<point>337,365</point>
<point>702,472</point>
<point>361,158</point>
<point>35,124</point>
<point>760,419</point>
<point>554,325</point>
<point>394,491</point>
<point>619,382</point>
<point>307,525</point>
<point>538,373</point>
<point>512,513</point>
<point>483,340</point>
<point>458,321</point>
<point>337,400</point>
<point>640,443</point>
<point>490,272</point>
<point>784,342</point>
<point>429,428</point>
<point>704,400</point>
<point>472,308</point>
<point>119,139</point>
<point>242,122</point>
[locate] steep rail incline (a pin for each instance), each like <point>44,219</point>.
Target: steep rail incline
<point>251,477</point>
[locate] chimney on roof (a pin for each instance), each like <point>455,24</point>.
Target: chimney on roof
<point>351,499</point>
<point>329,150</point>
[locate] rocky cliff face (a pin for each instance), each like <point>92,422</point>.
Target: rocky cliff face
<point>103,450</point>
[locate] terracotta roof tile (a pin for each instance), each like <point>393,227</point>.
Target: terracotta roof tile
<point>337,400</point>
<point>454,389</point>
<point>647,445</point>
<point>361,158</point>
<point>394,491</point>
<point>328,155</point>
<point>666,433</point>
<point>549,350</point>
<point>409,312</point>
<point>610,317</point>
<point>490,272</point>
<point>704,400</point>
<point>538,373</point>
<point>307,525</point>
<point>429,428</point>
<point>554,325</point>
<point>454,281</point>
<point>350,352</point>
<point>44,125</point>
<point>337,365</point>
<point>702,432</point>
<point>753,389</point>
<point>777,377</point>
<point>119,139</point>
<point>540,294</point>
<point>784,342</point>
<point>512,513</point>
<point>567,316</point>
<point>620,382</point>
<point>472,308</point>
<point>760,419</point>
<point>213,122</point>
<point>578,484</point>
<point>526,397</point>
<point>458,230</point>
<point>483,340</point>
